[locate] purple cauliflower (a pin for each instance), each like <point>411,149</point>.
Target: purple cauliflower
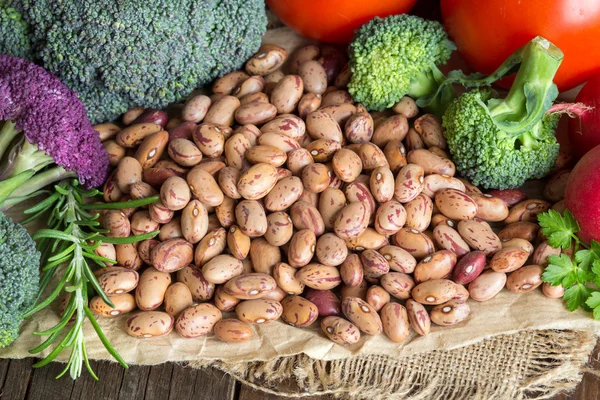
<point>57,140</point>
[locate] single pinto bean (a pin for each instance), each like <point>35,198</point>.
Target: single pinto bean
<point>479,236</point>
<point>455,204</point>
<point>340,331</point>
<point>266,60</point>
<point>434,292</point>
<point>363,315</point>
<point>150,292</point>
<point>418,317</point>
<point>490,208</point>
<point>259,311</point>
<point>298,311</point>
<point>287,93</point>
<point>430,129</point>
<point>438,265</point>
<point>431,163</point>
<point>409,183</point>
<point>314,77</point>
<point>197,320</point>
<point>450,313</point>
<point>527,210</point>
<point>148,324</point>
<point>394,318</point>
<point>232,330</point>
<point>318,276</point>
<point>394,127</point>
<point>525,279</point>
<point>487,285</point>
<point>509,259</point>
<point>172,255</point>
<point>418,213</point>
<point>469,267</point>
<point>523,230</point>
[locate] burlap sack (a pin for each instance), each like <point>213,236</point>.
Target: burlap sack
<point>510,347</point>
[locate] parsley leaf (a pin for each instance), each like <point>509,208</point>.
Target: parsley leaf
<point>576,295</point>
<point>594,303</point>
<point>559,229</point>
<point>595,273</point>
<point>560,271</point>
<point>586,257</point>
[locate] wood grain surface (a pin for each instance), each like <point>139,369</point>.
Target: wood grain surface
<point>19,381</point>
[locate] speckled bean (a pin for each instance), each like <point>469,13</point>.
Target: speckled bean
<point>487,285</point>
<point>434,292</point>
<point>479,236</point>
<point>525,279</point>
<point>363,315</point>
<point>197,320</point>
<point>394,318</point>
<point>409,183</point>
<point>259,311</point>
<point>339,330</point>
<point>418,317</point>
<point>148,324</point>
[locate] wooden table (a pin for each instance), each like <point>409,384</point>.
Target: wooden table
<point>168,381</point>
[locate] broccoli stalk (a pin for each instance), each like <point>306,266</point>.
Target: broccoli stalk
<point>532,92</point>
<point>45,135</point>
<point>501,142</point>
<point>399,56</point>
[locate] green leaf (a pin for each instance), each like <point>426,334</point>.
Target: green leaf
<point>595,272</point>
<point>560,270</point>
<point>594,303</point>
<point>586,257</point>
<point>576,296</point>
<point>559,229</point>
<point>54,234</point>
<point>121,205</point>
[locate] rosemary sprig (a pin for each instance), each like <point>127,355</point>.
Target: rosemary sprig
<point>70,239</point>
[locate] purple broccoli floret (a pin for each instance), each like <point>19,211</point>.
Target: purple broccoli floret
<point>54,123</point>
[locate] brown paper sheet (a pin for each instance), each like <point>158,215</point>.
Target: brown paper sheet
<point>506,313</point>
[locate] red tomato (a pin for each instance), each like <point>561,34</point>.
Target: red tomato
<point>487,32</point>
<point>584,128</point>
<point>334,21</point>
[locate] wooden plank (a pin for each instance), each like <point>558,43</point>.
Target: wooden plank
<point>17,379</point>
<point>159,382</point>
<point>4,364</point>
<point>110,375</point>
<point>44,385</point>
<point>212,384</point>
<point>182,383</point>
<point>135,379</point>
<point>247,393</point>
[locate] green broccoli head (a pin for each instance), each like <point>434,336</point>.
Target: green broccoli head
<point>19,277</point>
<point>491,158</point>
<point>119,54</point>
<point>397,56</point>
<point>14,33</point>
<point>502,142</point>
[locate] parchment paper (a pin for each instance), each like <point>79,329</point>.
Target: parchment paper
<point>506,313</point>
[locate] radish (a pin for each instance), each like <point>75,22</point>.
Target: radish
<point>582,196</point>
<point>584,128</point>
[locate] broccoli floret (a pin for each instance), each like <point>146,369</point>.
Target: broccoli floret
<point>45,135</point>
<point>119,54</point>
<point>14,33</point>
<point>397,56</point>
<point>502,142</point>
<point>19,277</point>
